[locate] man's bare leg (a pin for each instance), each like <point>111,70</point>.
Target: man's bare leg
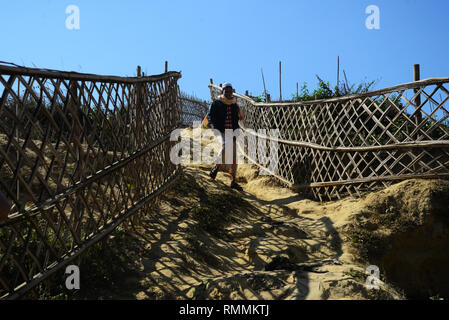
<point>234,183</point>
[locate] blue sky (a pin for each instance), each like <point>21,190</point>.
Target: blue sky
<point>232,40</point>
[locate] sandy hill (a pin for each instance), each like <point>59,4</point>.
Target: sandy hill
<point>208,241</point>
<point>211,242</point>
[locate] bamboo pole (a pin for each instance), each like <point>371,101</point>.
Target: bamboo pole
<point>338,71</point>
<point>80,173</point>
<point>138,108</point>
<point>418,114</point>
<point>416,77</point>
<point>280,81</point>
<point>64,75</point>
<point>398,146</point>
<point>17,137</point>
<point>264,87</point>
<point>139,126</point>
<point>371,179</point>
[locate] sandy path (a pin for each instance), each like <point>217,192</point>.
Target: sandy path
<point>273,245</point>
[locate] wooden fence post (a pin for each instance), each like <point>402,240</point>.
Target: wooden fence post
<point>418,114</point>
<point>280,81</point>
<point>416,77</point>
<point>138,114</point>
<point>138,108</point>
<point>338,72</point>
<point>74,107</point>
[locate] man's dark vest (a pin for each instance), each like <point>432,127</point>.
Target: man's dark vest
<point>217,115</point>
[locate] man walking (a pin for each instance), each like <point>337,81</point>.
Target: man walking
<point>225,114</point>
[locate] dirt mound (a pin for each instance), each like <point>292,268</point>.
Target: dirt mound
<point>404,230</point>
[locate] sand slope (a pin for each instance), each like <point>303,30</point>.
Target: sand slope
<point>270,244</point>
<point>208,241</point>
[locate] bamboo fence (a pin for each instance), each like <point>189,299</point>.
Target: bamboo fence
<point>349,145</point>
<point>192,109</point>
<point>79,155</point>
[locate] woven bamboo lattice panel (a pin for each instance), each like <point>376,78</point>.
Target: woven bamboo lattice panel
<point>79,154</point>
<point>192,109</point>
<point>348,145</point>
